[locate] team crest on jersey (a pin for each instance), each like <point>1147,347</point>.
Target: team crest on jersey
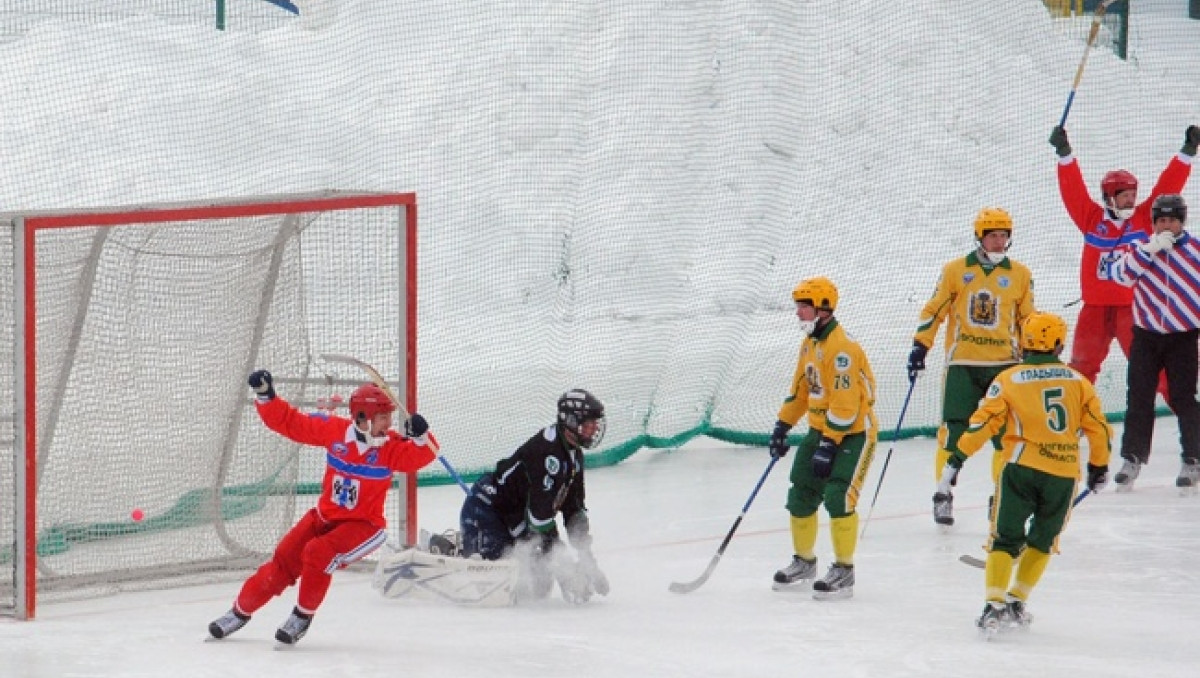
<point>841,362</point>
<point>552,466</point>
<point>983,309</point>
<point>1004,282</point>
<point>813,377</point>
<point>338,449</point>
<point>994,390</point>
<point>373,456</point>
<point>968,277</point>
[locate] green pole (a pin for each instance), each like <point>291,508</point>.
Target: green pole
<point>220,15</point>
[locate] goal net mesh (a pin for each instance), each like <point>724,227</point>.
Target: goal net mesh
<point>145,333</point>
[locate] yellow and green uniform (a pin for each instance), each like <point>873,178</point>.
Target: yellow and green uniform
<point>1043,406</point>
<point>834,389</point>
<point>983,306</point>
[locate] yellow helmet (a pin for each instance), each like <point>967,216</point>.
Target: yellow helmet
<point>992,219</point>
<point>1043,332</point>
<point>821,292</point>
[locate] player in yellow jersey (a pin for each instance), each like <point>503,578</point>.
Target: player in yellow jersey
<point>982,298</point>
<point>833,387</point>
<point>1042,405</point>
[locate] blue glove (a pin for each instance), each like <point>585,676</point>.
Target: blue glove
<point>1097,477</point>
<point>779,445</point>
<point>262,384</point>
<point>916,360</point>
<point>416,426</point>
<point>822,463</point>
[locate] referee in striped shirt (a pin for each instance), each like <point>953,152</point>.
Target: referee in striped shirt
<point>1164,272</point>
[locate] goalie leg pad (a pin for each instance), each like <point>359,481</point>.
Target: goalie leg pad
<point>412,573</point>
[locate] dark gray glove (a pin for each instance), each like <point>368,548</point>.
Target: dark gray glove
<point>916,360</point>
<point>1191,139</point>
<point>1058,139</point>
<point>262,384</point>
<point>822,461</point>
<point>416,426</point>
<point>779,444</point>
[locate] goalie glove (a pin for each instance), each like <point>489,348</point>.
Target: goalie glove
<point>590,569</point>
<point>572,579</point>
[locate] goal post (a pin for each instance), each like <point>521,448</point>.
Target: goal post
<point>135,454</point>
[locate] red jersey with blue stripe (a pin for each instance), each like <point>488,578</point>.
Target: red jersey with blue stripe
<point>358,473</point>
<point>1103,238</point>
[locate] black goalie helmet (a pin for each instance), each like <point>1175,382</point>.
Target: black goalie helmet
<point>576,407</point>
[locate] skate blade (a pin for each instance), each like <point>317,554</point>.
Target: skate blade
<point>798,586</point>
<point>943,528</point>
<point>1123,489</point>
<point>989,631</point>
<point>841,594</point>
<point>1188,491</point>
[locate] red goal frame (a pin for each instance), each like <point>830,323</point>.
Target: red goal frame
<point>25,230</point>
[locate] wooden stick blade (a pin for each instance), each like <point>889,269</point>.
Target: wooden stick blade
<point>374,375</point>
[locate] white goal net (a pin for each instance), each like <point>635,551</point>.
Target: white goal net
<point>133,451</point>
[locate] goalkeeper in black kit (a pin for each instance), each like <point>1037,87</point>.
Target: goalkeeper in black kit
<point>1043,407</point>
<point>512,511</point>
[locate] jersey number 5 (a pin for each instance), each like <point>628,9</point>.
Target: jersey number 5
<point>1056,412</point>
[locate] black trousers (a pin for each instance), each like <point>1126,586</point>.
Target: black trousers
<point>1151,353</point>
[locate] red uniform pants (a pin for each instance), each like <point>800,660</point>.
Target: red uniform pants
<point>311,551</point>
<point>1095,330</point>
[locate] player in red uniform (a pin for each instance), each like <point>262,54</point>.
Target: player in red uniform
<point>1108,230</point>
<point>347,522</point>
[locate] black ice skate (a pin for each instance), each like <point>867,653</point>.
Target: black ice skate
<point>1128,473</point>
<point>294,627</point>
<point>993,620</point>
<point>838,583</point>
<point>448,543</point>
<point>795,574</point>
<point>943,509</point>
<point>227,624</point>
<point>1016,615</point>
<point>1189,478</point>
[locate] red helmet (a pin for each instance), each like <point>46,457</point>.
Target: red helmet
<point>369,400</point>
<point>1116,181</point>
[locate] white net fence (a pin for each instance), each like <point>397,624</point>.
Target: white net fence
<point>619,195</point>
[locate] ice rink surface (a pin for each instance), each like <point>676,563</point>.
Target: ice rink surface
<point>1121,599</point>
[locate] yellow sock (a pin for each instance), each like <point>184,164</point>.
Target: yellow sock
<point>940,457</point>
<point>804,536</point>
<point>844,534</point>
<point>1029,572</point>
<point>940,460</point>
<point>997,574</point>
